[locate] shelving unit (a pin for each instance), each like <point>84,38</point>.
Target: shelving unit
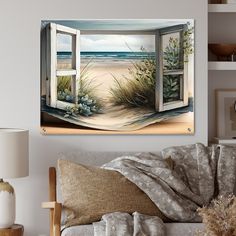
<point>221,8</point>
<point>221,65</point>
<point>228,141</point>
<point>222,15</point>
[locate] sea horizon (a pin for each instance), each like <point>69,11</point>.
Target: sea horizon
<point>112,55</point>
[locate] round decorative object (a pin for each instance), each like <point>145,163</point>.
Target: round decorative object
<point>7,205</point>
<point>222,50</point>
<point>15,230</point>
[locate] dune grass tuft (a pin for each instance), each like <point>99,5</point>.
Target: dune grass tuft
<point>139,89</point>
<point>88,102</point>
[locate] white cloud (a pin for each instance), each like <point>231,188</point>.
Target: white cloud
<point>64,42</point>
<point>108,42</point>
<point>117,42</point>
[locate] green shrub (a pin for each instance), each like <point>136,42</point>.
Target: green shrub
<point>88,102</point>
<point>188,42</point>
<point>64,89</point>
<point>86,106</point>
<point>171,88</point>
<point>171,55</point>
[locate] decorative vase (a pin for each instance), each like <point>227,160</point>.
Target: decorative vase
<point>7,205</point>
<point>224,52</point>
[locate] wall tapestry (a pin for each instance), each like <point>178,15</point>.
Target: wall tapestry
<point>117,76</point>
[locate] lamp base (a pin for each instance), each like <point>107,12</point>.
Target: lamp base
<point>7,205</point>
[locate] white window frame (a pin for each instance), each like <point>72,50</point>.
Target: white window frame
<point>183,101</point>
<point>51,61</point>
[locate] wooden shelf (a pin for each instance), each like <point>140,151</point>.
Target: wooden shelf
<point>221,65</point>
<point>222,8</point>
<point>225,141</point>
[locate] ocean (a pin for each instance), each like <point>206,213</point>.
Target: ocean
<point>115,56</point>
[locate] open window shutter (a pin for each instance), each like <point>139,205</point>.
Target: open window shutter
<point>53,72</point>
<point>185,86</point>
<point>51,65</point>
<point>159,74</point>
<point>167,77</point>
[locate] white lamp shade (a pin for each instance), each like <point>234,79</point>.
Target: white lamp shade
<point>14,153</point>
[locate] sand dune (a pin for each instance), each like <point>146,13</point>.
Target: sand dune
<point>118,117</point>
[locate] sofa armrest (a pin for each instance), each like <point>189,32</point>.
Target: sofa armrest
<point>55,217</point>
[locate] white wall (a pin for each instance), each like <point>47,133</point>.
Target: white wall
<point>20,87</point>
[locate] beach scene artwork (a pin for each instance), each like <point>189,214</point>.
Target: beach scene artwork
<point>117,76</point>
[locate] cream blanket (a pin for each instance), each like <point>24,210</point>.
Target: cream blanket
<point>200,173</point>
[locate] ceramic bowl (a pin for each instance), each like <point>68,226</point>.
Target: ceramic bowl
<point>222,50</point>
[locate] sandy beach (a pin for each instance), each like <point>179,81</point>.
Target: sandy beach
<point>101,74</point>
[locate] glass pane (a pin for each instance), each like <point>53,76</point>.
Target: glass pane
<point>172,58</point>
<point>64,51</point>
<point>64,89</point>
<point>172,88</point>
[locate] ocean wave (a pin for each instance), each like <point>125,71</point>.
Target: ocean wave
<point>108,55</point>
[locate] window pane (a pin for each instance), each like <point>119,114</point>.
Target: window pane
<point>172,88</point>
<point>64,51</point>
<point>172,58</point>
<point>64,89</point>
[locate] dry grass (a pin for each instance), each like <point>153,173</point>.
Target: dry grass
<point>220,217</point>
<point>88,102</point>
<point>139,89</point>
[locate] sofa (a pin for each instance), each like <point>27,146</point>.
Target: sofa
<point>55,207</point>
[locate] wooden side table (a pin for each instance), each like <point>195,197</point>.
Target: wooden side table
<point>15,230</point>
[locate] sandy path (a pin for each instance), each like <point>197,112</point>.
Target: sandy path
<point>102,75</point>
<point>113,116</point>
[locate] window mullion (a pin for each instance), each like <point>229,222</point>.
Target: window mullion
<point>159,73</point>
<point>52,61</point>
<point>76,64</point>
<point>173,72</point>
<point>66,73</point>
<point>185,76</point>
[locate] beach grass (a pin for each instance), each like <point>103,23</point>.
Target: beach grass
<point>138,90</point>
<point>88,102</point>
<point>63,82</point>
<point>87,84</point>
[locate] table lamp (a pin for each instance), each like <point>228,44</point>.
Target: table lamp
<point>14,163</point>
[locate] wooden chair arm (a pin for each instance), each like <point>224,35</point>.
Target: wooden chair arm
<point>53,206</point>
<point>55,210</point>
<point>48,205</point>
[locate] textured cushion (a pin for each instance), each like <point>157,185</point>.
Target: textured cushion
<point>172,229</point>
<point>92,192</point>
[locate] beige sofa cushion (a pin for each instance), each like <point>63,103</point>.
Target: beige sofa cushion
<point>92,192</point>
